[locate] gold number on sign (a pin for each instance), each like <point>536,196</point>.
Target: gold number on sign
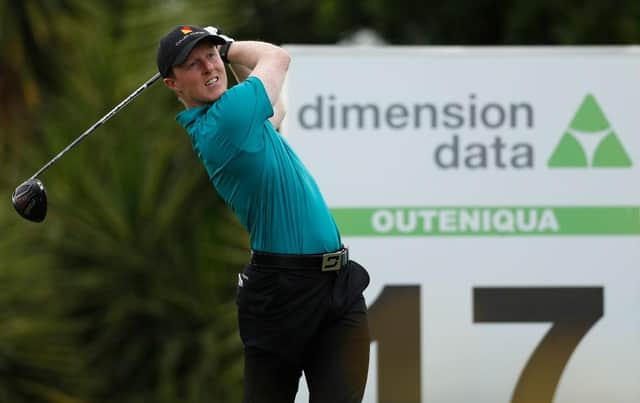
<point>394,322</point>
<point>573,311</point>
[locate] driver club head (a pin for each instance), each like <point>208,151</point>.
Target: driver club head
<point>30,200</point>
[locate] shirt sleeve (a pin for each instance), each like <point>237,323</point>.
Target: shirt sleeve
<point>241,113</point>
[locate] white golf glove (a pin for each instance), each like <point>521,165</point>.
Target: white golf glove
<point>218,32</point>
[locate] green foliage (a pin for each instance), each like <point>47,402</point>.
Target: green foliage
<point>126,293</point>
<point>37,362</point>
<point>443,22</point>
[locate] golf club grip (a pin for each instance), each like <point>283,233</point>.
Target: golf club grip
<point>99,123</point>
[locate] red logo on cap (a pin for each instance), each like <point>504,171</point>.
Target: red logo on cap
<point>185,30</point>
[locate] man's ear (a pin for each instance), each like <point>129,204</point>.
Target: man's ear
<point>170,83</point>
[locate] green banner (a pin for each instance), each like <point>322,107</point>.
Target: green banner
<point>488,221</point>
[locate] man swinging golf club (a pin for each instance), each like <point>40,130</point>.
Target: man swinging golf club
<point>300,302</point>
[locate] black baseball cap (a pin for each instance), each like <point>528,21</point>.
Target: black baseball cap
<point>176,45</point>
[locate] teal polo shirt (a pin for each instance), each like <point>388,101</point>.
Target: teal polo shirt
<point>257,173</point>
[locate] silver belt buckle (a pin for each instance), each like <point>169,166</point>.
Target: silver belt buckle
<point>333,261</point>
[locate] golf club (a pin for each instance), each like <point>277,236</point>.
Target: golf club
<point>30,198</point>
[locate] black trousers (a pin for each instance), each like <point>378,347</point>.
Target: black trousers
<point>294,321</point>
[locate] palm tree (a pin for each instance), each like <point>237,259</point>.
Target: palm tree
<point>133,273</point>
<point>37,362</point>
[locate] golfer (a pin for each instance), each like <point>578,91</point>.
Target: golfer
<point>300,303</point>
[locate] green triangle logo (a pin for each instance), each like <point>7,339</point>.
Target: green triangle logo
<point>589,141</point>
<point>589,117</point>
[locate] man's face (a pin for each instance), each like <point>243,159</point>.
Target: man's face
<point>201,79</point>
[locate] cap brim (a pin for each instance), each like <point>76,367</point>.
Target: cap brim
<point>182,56</point>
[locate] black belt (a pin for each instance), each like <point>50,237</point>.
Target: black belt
<point>331,261</point>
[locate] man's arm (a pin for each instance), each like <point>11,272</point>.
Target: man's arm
<point>266,61</point>
<point>241,72</point>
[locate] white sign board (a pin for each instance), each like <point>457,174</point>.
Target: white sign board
<point>493,194</point>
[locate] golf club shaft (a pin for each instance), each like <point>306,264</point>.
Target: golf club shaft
<point>106,117</point>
